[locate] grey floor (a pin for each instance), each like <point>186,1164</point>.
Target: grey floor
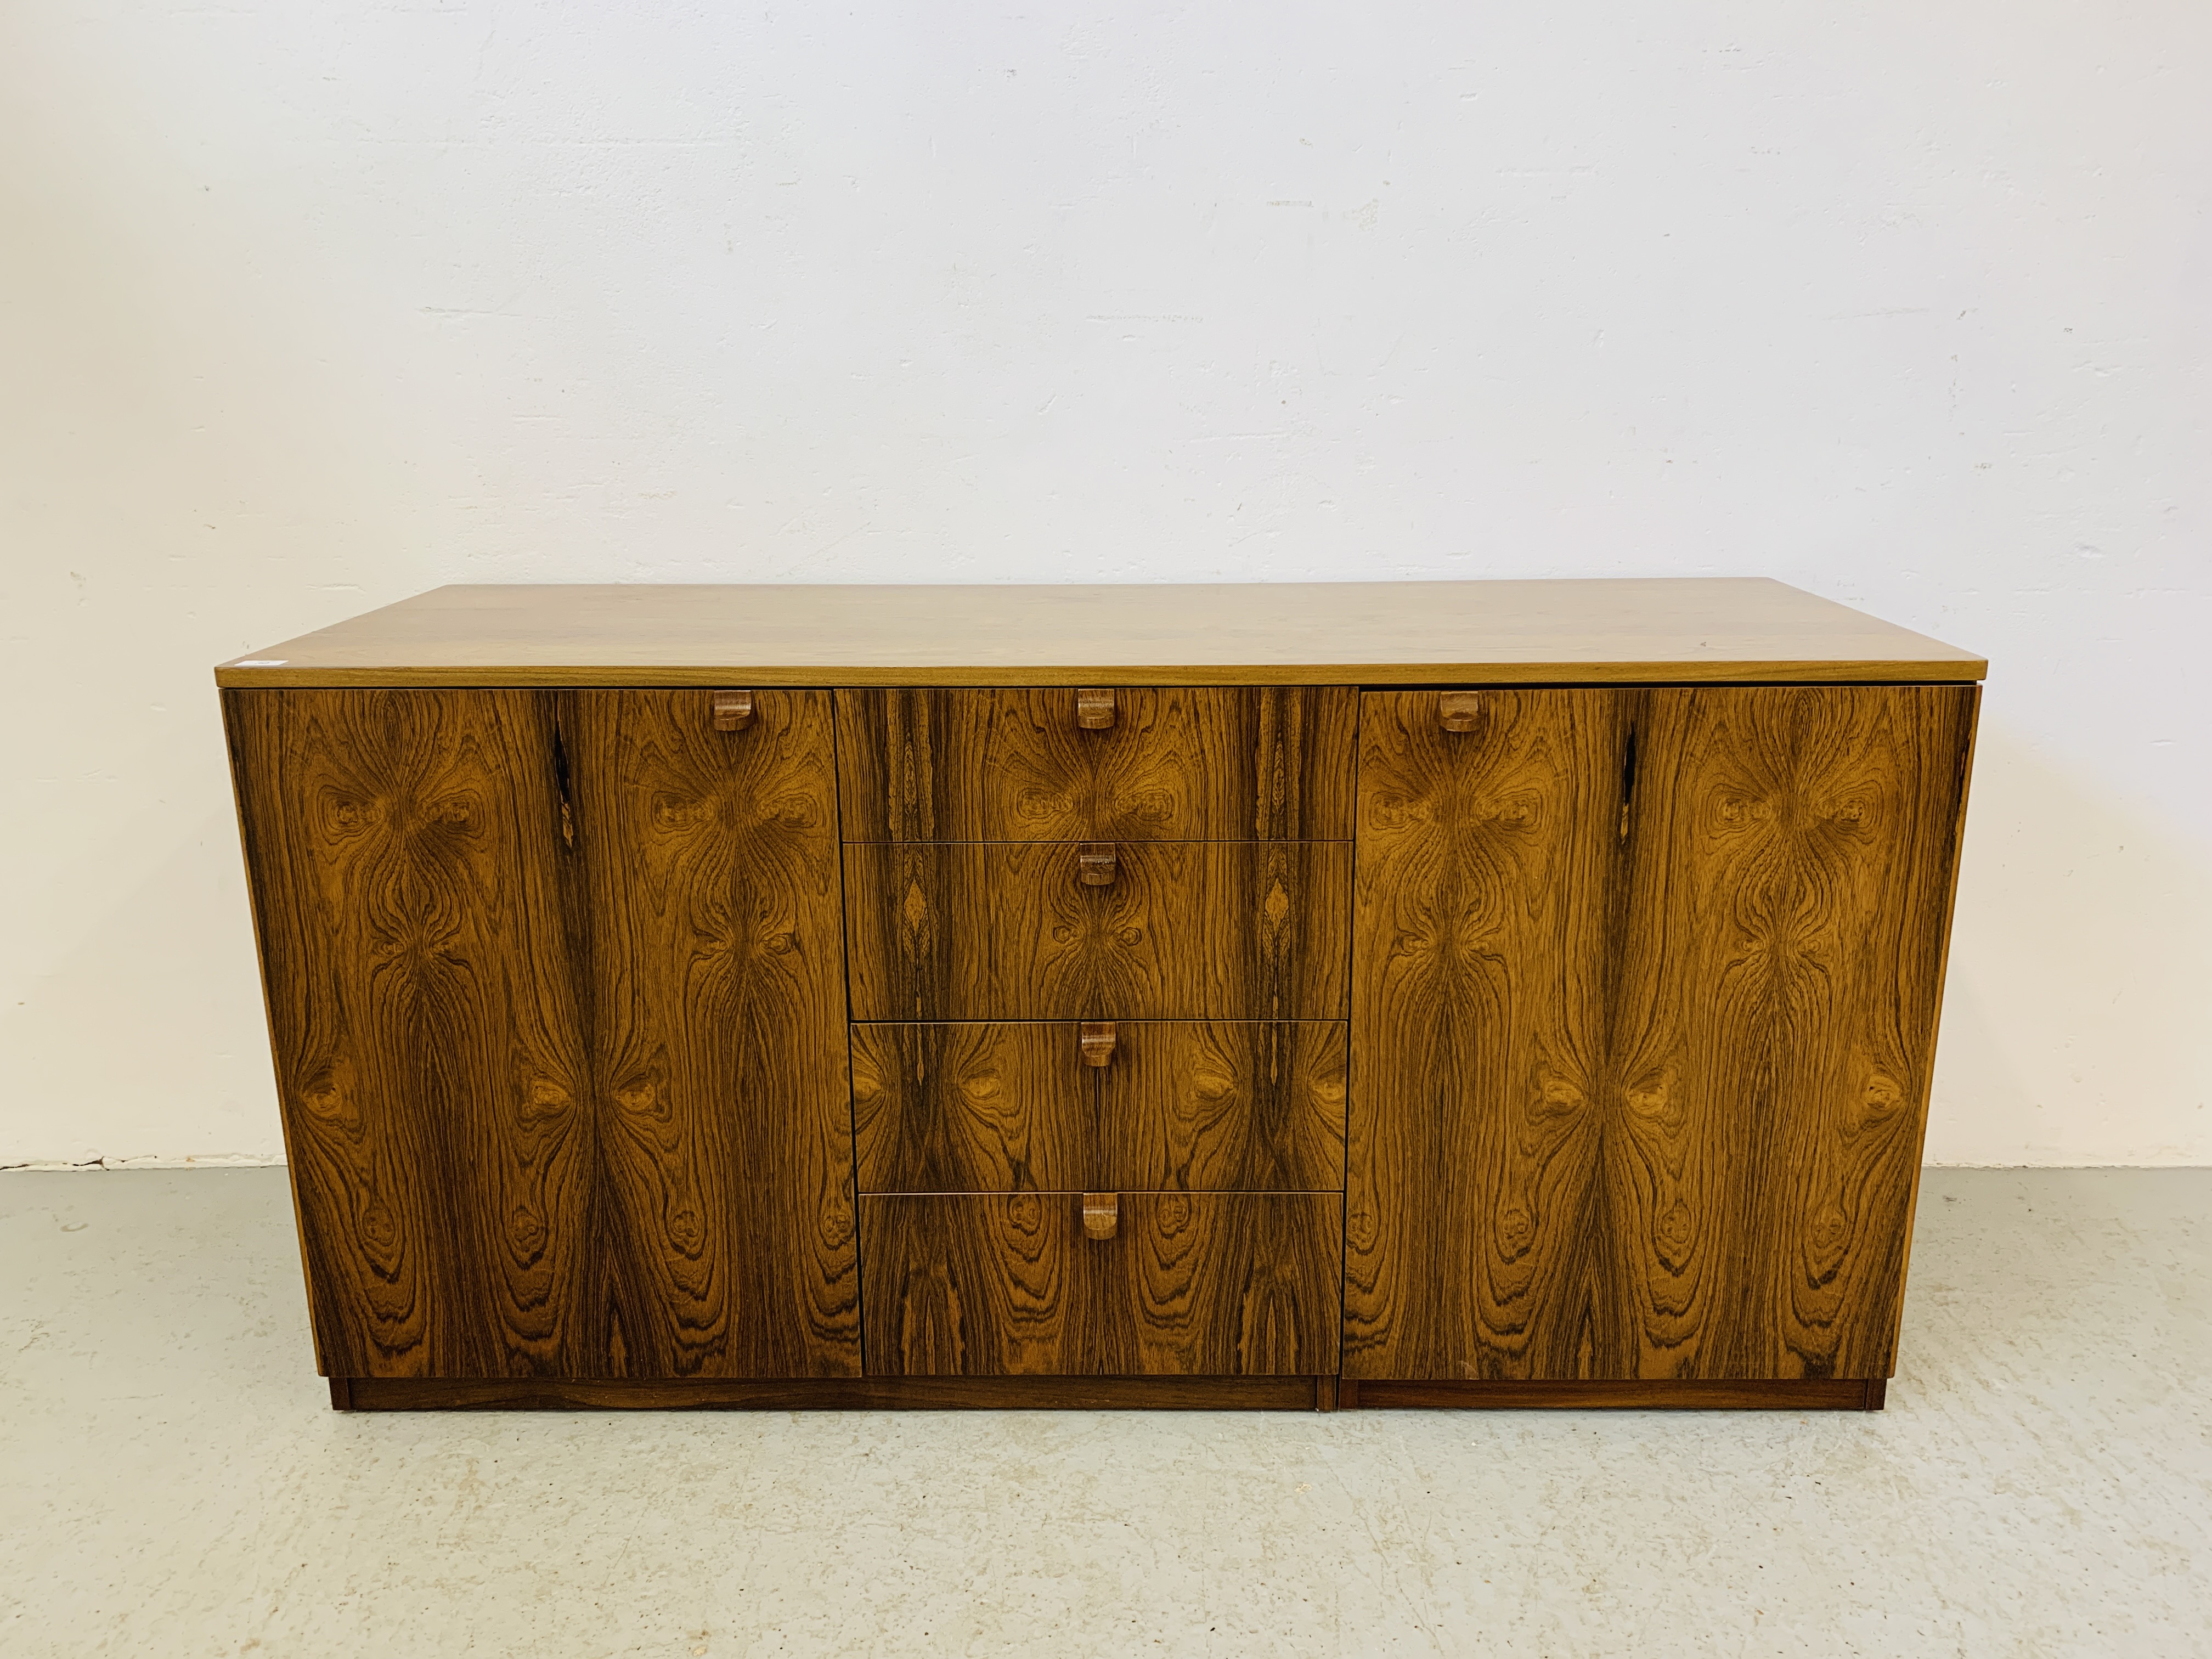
<point>172,1481</point>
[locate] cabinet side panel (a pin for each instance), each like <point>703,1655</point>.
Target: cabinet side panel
<point>718,1032</point>
<point>249,728</point>
<point>1952,854</point>
<point>1781,961</point>
<point>1476,1231</point>
<point>403,852</point>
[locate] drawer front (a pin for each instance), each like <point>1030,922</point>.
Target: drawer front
<point>1180,1106</point>
<point>1183,930</point>
<point>1175,763</point>
<point>1189,1284</point>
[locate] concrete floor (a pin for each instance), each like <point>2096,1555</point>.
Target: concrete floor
<point>172,1481</point>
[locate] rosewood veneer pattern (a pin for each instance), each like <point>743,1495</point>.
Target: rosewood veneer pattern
<point>1105,997</point>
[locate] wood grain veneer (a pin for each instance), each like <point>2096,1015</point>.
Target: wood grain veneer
<point>1700,628</point>
<point>520,948</point>
<point>715,999</point>
<point>1505,993</point>
<point>1645,989</point>
<point>1185,930</point>
<point>1246,763</point>
<point>409,883</point>
<point>1200,1284</point>
<point>1181,1106</point>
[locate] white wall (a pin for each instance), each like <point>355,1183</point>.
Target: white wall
<point>304,307</point>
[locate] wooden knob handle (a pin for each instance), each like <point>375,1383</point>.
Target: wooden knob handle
<point>733,710</point>
<point>1460,710</point>
<point>1101,1214</point>
<point>1094,708</point>
<point>1097,1041</point>
<point>1097,863</point>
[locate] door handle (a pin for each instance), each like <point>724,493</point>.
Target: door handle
<point>1094,708</point>
<point>1097,1040</point>
<point>1461,711</point>
<point>1097,863</point>
<point>733,710</point>
<point>1101,1214</point>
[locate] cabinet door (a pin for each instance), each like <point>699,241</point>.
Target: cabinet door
<point>1644,997</point>
<point>716,1009</point>
<point>407,864</point>
<point>555,996</point>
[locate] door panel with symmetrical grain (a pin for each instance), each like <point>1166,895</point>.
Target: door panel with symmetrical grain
<point>1644,994</point>
<point>406,861</point>
<point>1481,908</point>
<point>1773,1026</point>
<point>555,995</point>
<point>716,1010</point>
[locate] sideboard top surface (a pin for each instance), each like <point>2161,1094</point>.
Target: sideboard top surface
<point>1622,631</point>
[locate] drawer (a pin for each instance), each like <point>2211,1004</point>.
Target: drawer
<point>1173,764</point>
<point>1180,1105</point>
<point>1177,930</point>
<point>1189,1284</point>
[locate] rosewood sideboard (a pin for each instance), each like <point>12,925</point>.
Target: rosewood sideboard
<point>1323,996</point>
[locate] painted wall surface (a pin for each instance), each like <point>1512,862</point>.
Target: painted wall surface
<point>307,307</point>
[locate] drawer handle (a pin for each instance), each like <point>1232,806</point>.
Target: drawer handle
<point>1101,1214</point>
<point>733,710</point>
<point>1094,708</point>
<point>1097,863</point>
<point>1461,710</point>
<point>1097,1040</point>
